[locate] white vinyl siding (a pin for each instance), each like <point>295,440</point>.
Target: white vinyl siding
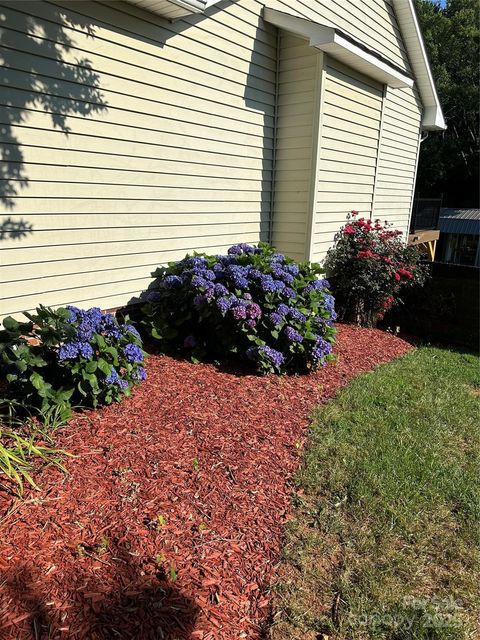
<point>131,140</point>
<point>349,140</point>
<point>166,147</point>
<point>299,71</point>
<point>397,158</point>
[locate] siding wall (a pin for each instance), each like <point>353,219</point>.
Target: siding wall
<point>349,142</point>
<point>399,142</point>
<point>297,130</point>
<point>130,140</point>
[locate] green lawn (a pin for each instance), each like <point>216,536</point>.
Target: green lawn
<point>385,539</point>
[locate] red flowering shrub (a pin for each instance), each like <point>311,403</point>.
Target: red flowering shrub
<point>369,265</point>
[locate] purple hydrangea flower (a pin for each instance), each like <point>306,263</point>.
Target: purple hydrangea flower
<point>283,309</point>
<point>293,335</point>
<point>190,342</point>
<point>252,323</point>
<point>123,384</point>
<point>254,310</point>
<point>239,312</point>
<point>133,353</point>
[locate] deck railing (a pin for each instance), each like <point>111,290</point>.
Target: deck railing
<point>425,214</point>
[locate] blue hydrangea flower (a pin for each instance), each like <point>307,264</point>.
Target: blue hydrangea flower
<point>275,318</point>
<point>276,358</point>
<point>140,374</point>
<point>73,313</point>
<point>85,350</point>
<point>153,296</point>
<point>290,293</point>
<point>283,309</point>
<point>68,351</point>
<point>133,353</point>
<point>295,314</point>
<point>199,281</point>
<point>292,268</point>
<point>128,328</point>
<point>293,335</point>
<point>221,290</point>
<point>223,304</point>
<point>277,257</point>
<point>113,377</point>
<point>123,384</point>
<point>172,282</point>
<point>329,302</point>
<point>110,327</point>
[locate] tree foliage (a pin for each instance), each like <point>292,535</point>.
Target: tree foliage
<point>448,162</point>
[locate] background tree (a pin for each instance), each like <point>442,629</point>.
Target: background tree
<point>448,162</point>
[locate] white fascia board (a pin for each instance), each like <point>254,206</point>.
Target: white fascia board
<point>342,47</point>
<point>186,7</point>
<point>407,19</point>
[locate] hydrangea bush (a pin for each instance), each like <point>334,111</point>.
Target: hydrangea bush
<point>369,266</point>
<point>70,357</point>
<point>252,302</point>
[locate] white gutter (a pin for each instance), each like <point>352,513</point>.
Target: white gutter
<point>342,47</point>
<point>407,19</point>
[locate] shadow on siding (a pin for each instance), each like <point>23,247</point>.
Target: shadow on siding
<point>34,77</point>
<point>11,229</point>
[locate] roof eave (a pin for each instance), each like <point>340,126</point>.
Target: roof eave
<point>433,119</point>
<point>341,46</point>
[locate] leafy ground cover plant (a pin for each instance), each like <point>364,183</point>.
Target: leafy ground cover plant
<point>370,265</point>
<point>252,302</point>
<point>69,357</point>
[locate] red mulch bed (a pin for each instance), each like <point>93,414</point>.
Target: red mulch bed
<point>210,452</point>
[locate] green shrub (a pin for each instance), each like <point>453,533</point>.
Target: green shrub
<point>69,357</point>
<point>369,266</point>
<point>254,303</point>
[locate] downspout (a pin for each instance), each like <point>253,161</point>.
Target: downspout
<point>274,153</point>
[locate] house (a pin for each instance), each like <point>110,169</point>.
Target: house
<point>459,237</point>
<point>134,132</point>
